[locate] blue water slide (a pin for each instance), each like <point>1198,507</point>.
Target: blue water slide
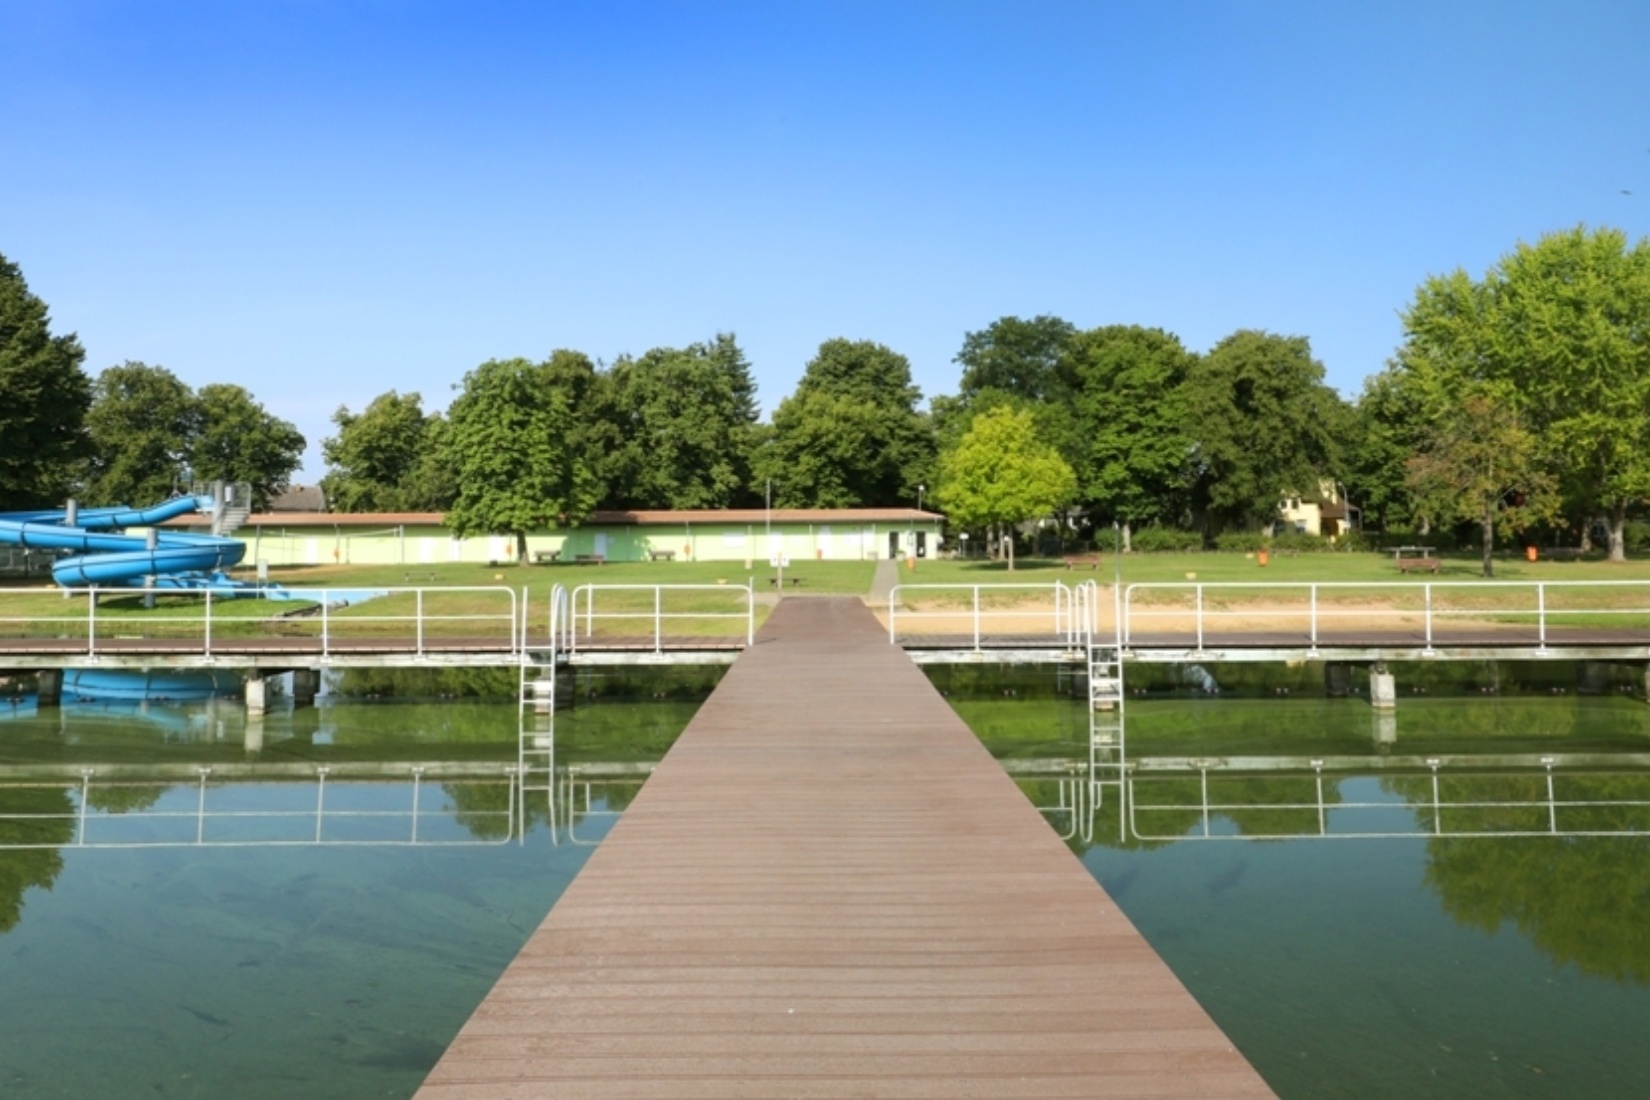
<point>105,556</point>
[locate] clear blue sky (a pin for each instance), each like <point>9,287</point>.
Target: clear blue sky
<point>326,200</point>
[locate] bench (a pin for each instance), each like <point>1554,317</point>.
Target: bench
<point>661,555</point>
<point>1074,560</point>
<point>427,574</point>
<point>589,559</point>
<point>792,581</point>
<point>1417,565</point>
<point>545,557</point>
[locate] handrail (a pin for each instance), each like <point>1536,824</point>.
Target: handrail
<point>1308,604</point>
<point>657,615</point>
<point>225,621</point>
<point>1065,609</point>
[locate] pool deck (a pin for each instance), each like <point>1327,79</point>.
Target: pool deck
<point>828,889</point>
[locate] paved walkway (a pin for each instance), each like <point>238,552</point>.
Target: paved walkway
<point>830,889</point>
<point>887,576</point>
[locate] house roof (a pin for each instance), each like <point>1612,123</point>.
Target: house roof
<point>640,518</point>
<point>300,498</point>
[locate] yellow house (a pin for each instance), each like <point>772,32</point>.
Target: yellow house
<point>1327,514</point>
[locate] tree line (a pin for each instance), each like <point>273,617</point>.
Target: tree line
<point>134,435</point>
<point>1517,402</point>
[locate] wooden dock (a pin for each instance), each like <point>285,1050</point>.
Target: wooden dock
<point>830,889</point>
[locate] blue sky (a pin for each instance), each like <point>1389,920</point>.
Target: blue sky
<point>325,200</point>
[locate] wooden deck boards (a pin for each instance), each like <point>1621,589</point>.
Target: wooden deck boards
<point>828,888</point>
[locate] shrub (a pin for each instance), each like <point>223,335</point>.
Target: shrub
<point>1164,540</point>
<point>1301,543</point>
<point>1242,542</point>
<point>1637,534</point>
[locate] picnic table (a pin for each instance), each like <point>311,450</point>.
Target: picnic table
<point>792,581</point>
<point>544,557</point>
<point>1415,559</point>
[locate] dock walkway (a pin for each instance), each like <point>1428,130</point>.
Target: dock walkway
<point>827,889</point>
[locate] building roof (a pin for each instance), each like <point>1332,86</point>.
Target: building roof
<point>300,498</point>
<point>640,518</point>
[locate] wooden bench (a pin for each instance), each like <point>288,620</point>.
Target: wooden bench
<point>792,581</point>
<point>589,559</point>
<point>1417,565</point>
<point>661,555</point>
<point>1074,560</point>
<point>545,557</point>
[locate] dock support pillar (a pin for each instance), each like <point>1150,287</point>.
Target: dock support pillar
<point>1383,688</point>
<point>253,738</point>
<point>49,687</point>
<point>306,684</point>
<point>1386,729</point>
<point>257,694</point>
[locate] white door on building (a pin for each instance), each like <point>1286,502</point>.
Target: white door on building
<point>601,544</point>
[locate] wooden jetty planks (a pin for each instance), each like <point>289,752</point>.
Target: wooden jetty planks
<point>829,888</point>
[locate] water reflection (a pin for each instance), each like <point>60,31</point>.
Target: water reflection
<point>1531,805</point>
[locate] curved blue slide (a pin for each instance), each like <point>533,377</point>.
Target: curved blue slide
<point>105,556</point>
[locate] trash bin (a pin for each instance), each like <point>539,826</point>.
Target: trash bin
<point>1262,557</point>
<point>1531,552</point>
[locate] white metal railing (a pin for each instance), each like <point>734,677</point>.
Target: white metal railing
<point>1068,611</point>
<point>1194,609</point>
<point>655,609</point>
<point>1438,814</point>
<point>316,824</point>
<point>210,622</point>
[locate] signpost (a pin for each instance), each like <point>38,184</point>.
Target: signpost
<point>779,561</point>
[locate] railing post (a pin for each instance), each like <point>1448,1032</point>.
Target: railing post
<point>91,621</point>
<point>326,644</point>
<point>1541,612</point>
<point>976,618</point>
<point>1314,618</point>
<point>1199,617</point>
<point>893,605</point>
<point>208,627</point>
<point>1426,590</point>
<point>658,618</point>
<point>750,614</point>
<point>418,619</point>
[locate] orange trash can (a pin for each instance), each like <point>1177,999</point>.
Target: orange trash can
<point>1261,556</point>
<point>1531,552</point>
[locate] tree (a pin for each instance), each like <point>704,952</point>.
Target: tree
<point>520,443</point>
<point>1001,474</point>
<point>1021,363</point>
<point>44,395</point>
<point>378,456</point>
<point>686,418</point>
<point>1478,462</point>
<point>1129,409</point>
<point>851,435</point>
<point>1387,428</point>
<point>1562,329</point>
<point>142,425</point>
<point>240,441</point>
<point>1264,425</point>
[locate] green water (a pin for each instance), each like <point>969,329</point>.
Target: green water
<point>282,969</point>
<point>1411,966</point>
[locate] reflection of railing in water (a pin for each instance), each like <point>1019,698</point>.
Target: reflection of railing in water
<point>1436,804</point>
<point>216,828</point>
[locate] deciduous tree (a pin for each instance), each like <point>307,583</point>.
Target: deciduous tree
<point>520,445</point>
<point>142,425</point>
<point>1001,473</point>
<point>377,456</point>
<point>239,440</point>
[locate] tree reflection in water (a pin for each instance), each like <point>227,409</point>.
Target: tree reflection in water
<point>26,867</point>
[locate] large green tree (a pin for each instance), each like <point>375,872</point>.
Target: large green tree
<point>143,423</point>
<point>381,459</point>
<point>851,435</point>
<point>686,418</point>
<point>1002,473</point>
<point>44,395</point>
<point>1264,425</point>
<point>1561,329</point>
<point>1387,427</point>
<point>239,440</point>
<point>1129,405</point>
<point>524,447</point>
<point>1479,463</point>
